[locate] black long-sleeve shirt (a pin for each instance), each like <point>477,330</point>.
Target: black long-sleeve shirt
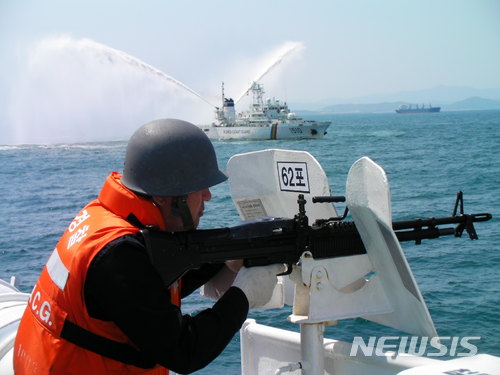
<point>123,286</point>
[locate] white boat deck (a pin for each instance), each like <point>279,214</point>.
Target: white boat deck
<point>12,305</point>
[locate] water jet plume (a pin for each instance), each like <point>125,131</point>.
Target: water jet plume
<point>78,90</point>
<point>280,55</point>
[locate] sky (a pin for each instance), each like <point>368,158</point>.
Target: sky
<point>66,64</point>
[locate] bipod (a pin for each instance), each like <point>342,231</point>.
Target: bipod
<point>468,223</point>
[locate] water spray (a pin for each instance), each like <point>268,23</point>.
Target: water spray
<point>111,53</point>
<point>288,49</point>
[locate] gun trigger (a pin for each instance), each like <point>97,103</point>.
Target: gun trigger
<point>288,270</point>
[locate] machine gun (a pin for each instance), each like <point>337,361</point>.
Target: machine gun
<point>277,240</point>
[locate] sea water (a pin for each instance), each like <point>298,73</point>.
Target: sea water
<point>428,158</point>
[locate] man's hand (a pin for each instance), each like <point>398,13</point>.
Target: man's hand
<point>258,283</point>
<point>222,281</point>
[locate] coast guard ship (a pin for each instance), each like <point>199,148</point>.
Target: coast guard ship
<point>265,119</point>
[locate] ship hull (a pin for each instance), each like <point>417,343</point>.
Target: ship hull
<point>426,110</point>
<point>277,130</point>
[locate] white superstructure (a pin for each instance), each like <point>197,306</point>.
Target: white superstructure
<point>265,119</point>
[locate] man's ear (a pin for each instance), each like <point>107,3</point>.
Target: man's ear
<point>161,201</point>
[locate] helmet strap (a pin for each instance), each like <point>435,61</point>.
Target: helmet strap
<point>180,209</point>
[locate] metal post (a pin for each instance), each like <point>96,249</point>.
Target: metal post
<point>311,347</point>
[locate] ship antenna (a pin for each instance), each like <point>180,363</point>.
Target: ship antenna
<point>222,93</point>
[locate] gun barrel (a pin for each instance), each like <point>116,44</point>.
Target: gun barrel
<point>432,221</point>
<point>418,235</point>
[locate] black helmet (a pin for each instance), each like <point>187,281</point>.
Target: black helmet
<point>170,157</point>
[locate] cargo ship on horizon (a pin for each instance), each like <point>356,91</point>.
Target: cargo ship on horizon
<point>423,109</point>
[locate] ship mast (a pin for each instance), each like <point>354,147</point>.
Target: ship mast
<point>222,94</point>
<point>257,91</point>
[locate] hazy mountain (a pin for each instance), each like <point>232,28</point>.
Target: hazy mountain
<point>439,96</point>
<point>362,108</point>
<point>474,103</point>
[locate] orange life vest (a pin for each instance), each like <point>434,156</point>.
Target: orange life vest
<point>57,299</point>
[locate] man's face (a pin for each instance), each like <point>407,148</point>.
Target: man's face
<point>196,203</point>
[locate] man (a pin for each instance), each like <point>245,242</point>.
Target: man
<point>100,307</point>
